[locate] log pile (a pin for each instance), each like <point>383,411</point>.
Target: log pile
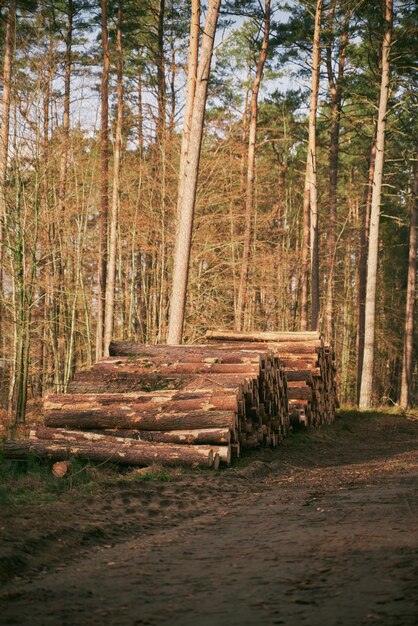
<point>192,406</point>
<point>174,405</point>
<point>309,365</point>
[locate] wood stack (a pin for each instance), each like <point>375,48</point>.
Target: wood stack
<point>174,405</point>
<point>309,365</point>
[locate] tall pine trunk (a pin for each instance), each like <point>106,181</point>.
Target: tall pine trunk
<point>335,86</point>
<point>104,183</point>
<point>312,165</point>
<point>190,175</point>
<point>66,115</point>
<point>190,93</point>
<point>362,265</point>
<point>406,384</point>
<point>249,201</point>
<point>306,227</point>
<point>311,189</point>
<point>4,138</point>
<point>161,86</point>
<point>366,389</point>
<point>117,154</point>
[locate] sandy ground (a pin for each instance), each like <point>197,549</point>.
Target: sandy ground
<point>323,531</point>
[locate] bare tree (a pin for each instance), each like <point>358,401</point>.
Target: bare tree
<point>66,115</point>
<point>104,182</point>
<point>335,86</point>
<point>311,185</point>
<point>370,310</point>
<point>161,86</point>
<point>5,120</point>
<point>306,227</point>
<point>190,92</point>
<point>362,265</point>
<point>117,154</point>
<point>190,175</point>
<point>249,202</point>
<point>406,383</point>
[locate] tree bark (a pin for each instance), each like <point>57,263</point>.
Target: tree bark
<point>140,114</point>
<point>191,171</point>
<point>312,166</point>
<point>124,453</point>
<point>146,445</point>
<point>362,265</point>
<point>161,86</point>
<point>408,350</point>
<point>208,436</point>
<point>230,335</point>
<point>66,114</point>
<point>366,388</point>
<point>117,155</point>
<point>306,228</point>
<point>190,93</point>
<point>153,401</point>
<point>249,204</point>
<point>104,182</point>
<point>124,416</point>
<point>4,137</point>
<point>335,86</point>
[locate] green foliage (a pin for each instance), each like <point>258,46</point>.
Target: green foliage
<point>30,481</point>
<point>157,474</point>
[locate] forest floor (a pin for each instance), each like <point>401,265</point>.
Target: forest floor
<point>321,531</point>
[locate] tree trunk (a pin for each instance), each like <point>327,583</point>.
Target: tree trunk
<point>306,227</point>
<point>190,176</point>
<point>215,438</point>
<point>406,385</point>
<point>161,86</point>
<point>104,183</point>
<point>66,114</point>
<point>366,388</point>
<point>111,268</point>
<point>190,93</point>
<point>335,85</point>
<point>125,453</point>
<point>140,114</point>
<point>249,204</point>
<point>362,265</point>
<point>230,335</point>
<point>121,416</point>
<point>312,166</point>
<point>4,138</point>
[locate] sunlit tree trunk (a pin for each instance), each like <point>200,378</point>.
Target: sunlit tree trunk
<point>190,175</point>
<point>66,114</point>
<point>161,86</point>
<point>335,86</point>
<point>366,388</point>
<point>249,203</point>
<point>140,115</point>
<point>117,154</point>
<point>406,384</point>
<point>190,93</point>
<point>104,182</point>
<point>362,265</point>
<point>312,166</point>
<point>4,137</point>
<point>306,227</point>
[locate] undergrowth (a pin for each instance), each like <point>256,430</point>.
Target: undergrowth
<point>30,480</point>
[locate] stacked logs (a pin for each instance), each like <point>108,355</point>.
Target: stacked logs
<point>309,365</point>
<point>174,405</point>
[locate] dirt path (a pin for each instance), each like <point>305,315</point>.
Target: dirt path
<point>321,532</point>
